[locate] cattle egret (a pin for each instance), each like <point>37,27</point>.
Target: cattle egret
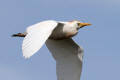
<point>58,37</point>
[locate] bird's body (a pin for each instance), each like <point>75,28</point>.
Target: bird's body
<point>57,36</point>
<point>63,31</point>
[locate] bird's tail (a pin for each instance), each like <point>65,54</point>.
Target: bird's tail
<point>19,35</point>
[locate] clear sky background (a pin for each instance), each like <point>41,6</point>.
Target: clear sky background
<point>101,41</point>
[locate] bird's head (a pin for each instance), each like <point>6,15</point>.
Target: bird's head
<point>79,24</point>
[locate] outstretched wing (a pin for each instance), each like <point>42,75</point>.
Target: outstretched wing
<point>36,36</point>
<point>68,56</point>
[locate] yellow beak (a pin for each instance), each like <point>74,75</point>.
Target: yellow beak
<point>84,24</point>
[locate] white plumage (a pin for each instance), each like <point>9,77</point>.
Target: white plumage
<point>68,56</point>
<point>57,36</point>
<point>36,37</point>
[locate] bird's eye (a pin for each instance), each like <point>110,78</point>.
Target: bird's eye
<point>78,24</point>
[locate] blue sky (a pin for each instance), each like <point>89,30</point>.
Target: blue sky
<point>101,41</point>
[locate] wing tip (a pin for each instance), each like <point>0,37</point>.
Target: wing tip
<point>26,56</point>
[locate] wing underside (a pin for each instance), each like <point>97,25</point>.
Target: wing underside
<point>68,56</point>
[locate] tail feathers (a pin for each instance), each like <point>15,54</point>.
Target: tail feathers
<point>19,35</point>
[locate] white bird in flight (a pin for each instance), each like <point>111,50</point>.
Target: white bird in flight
<point>58,37</point>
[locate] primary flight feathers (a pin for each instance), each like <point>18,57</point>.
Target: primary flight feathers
<point>36,36</point>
